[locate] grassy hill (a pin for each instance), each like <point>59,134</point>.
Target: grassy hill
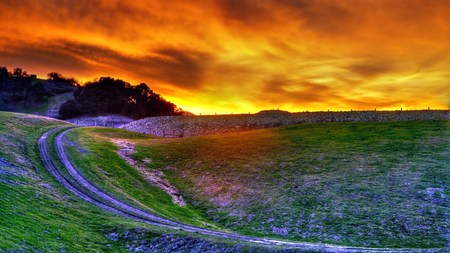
<point>381,184</point>
<point>361,184</point>
<point>39,215</point>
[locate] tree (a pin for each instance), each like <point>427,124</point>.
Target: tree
<point>18,72</point>
<point>109,95</point>
<point>4,74</point>
<point>54,76</point>
<point>57,77</point>
<point>70,109</point>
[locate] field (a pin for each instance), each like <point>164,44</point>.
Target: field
<point>39,215</point>
<point>382,184</point>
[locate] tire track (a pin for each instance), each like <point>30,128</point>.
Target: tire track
<point>86,191</point>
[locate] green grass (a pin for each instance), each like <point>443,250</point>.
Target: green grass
<point>39,215</point>
<point>34,214</point>
<point>362,184</point>
<point>98,161</point>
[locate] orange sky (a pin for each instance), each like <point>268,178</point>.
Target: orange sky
<point>226,56</point>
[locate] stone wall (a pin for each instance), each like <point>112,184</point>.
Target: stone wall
<point>184,126</point>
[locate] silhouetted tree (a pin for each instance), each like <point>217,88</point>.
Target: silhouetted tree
<point>18,72</point>
<point>58,84</point>
<point>109,95</point>
<point>54,76</point>
<point>4,73</point>
<point>57,77</point>
<point>70,109</point>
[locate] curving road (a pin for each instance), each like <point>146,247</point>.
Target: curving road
<point>81,187</point>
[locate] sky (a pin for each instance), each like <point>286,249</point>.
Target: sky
<point>240,56</point>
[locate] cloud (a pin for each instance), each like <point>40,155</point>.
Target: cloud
<point>368,69</point>
<point>246,54</point>
<point>45,58</point>
<point>326,17</point>
<point>183,69</point>
<point>279,90</point>
<point>247,12</point>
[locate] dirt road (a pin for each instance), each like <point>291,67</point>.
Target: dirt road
<point>81,187</point>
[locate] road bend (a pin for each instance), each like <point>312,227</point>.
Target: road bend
<point>81,187</point>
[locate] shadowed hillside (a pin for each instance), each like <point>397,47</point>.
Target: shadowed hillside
<point>22,92</point>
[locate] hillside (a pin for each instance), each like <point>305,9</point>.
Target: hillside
<point>186,126</point>
<point>21,92</point>
<point>64,98</point>
<point>379,184</point>
<point>376,185</point>
<point>40,215</point>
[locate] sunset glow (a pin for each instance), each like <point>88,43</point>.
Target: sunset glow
<point>223,56</point>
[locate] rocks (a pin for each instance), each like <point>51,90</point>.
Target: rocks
<point>280,231</point>
<point>113,237</point>
<point>8,169</point>
<point>435,192</point>
<point>185,126</point>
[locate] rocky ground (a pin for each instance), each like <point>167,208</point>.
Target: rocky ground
<point>104,120</point>
<point>142,240</point>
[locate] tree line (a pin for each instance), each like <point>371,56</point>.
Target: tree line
<point>19,89</point>
<point>105,95</point>
<point>115,96</point>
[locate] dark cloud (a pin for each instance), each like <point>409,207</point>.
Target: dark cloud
<point>112,18</point>
<point>371,69</point>
<point>249,12</point>
<point>279,90</point>
<point>48,58</point>
<point>325,17</point>
<point>433,60</point>
<point>183,69</point>
<point>370,103</point>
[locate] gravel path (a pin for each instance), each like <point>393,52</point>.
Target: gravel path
<point>79,186</point>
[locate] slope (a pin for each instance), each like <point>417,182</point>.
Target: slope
<point>360,184</point>
<point>37,214</point>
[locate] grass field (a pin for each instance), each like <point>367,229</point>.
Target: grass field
<point>362,184</point>
<point>39,215</point>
